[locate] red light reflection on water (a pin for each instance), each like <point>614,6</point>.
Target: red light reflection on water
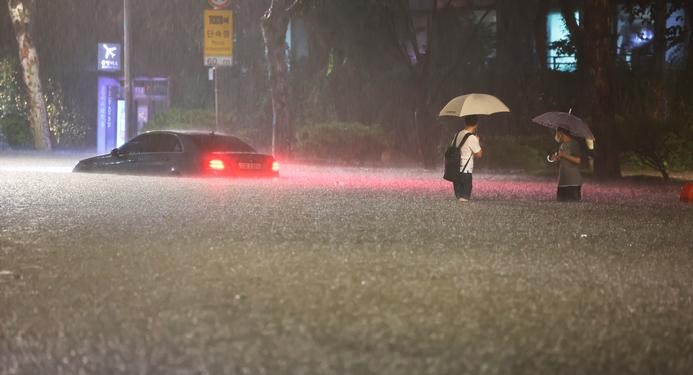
<point>486,186</point>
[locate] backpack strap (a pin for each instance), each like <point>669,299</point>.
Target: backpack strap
<point>464,139</point>
<point>467,163</point>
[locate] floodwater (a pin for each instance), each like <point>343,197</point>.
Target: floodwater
<point>335,270</point>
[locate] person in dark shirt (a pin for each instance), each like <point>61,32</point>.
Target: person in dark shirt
<point>569,177</point>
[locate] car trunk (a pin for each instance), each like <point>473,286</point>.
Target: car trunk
<point>240,164</point>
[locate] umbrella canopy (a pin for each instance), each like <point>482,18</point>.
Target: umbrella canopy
<point>573,124</point>
<point>473,104</point>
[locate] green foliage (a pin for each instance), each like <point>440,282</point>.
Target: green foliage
<point>182,119</point>
<point>67,126</point>
<point>12,101</point>
<point>205,120</point>
<point>654,143</point>
<point>655,121</point>
<point>682,111</point>
<point>340,141</point>
<point>362,69</point>
<point>682,155</point>
<point>515,153</point>
<point>16,131</point>
<point>14,125</point>
<point>564,47</point>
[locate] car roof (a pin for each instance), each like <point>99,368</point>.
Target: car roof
<point>188,132</point>
<point>203,138</point>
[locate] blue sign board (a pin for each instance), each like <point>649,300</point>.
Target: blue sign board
<point>107,114</point>
<point>109,57</point>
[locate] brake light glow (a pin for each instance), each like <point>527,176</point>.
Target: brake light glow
<point>216,165</point>
<point>275,166</point>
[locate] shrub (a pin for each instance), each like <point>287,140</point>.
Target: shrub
<point>340,141</point>
<point>682,155</point>
<point>12,100</point>
<point>67,127</point>
<point>14,126</point>
<point>182,119</point>
<point>16,131</point>
<point>205,120</point>
<point>654,143</point>
<point>515,153</point>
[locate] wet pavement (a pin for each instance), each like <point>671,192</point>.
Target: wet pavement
<point>335,270</point>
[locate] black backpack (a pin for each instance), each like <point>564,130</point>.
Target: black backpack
<point>453,154</point>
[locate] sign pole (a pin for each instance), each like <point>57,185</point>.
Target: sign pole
<point>216,99</point>
<point>218,45</point>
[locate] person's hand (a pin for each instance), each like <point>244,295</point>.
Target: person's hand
<point>552,157</point>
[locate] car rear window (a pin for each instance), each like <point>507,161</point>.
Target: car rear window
<point>220,143</point>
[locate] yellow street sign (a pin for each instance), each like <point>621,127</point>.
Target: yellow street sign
<point>218,37</point>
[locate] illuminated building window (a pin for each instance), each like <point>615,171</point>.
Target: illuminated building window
<point>635,40</point>
<point>558,37</point>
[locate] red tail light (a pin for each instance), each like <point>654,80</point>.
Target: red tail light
<point>275,166</point>
<point>216,165</point>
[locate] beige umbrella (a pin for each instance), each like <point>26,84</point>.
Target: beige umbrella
<point>473,104</point>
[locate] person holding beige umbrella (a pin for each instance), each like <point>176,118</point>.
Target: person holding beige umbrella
<point>459,157</point>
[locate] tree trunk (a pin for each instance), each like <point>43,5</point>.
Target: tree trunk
<point>515,22</point>
<point>577,31</point>
<point>599,29</point>
<point>21,13</point>
<point>274,26</point>
<point>428,134</point>
<point>688,8</point>
<point>659,10</point>
<point>541,33</point>
<point>583,49</point>
<point>424,117</point>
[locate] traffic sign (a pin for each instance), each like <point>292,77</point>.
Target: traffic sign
<point>218,37</point>
<point>219,4</point>
<point>109,57</point>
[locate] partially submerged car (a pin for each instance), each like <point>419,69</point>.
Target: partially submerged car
<point>183,153</point>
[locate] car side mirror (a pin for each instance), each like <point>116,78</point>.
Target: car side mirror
<point>115,153</point>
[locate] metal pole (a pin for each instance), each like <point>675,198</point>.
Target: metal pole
<point>216,99</point>
<point>129,131</point>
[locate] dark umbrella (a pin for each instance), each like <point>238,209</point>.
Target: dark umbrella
<point>572,124</point>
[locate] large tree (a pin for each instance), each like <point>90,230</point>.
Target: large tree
<point>521,50</point>
<point>688,8</point>
<point>22,16</point>
<point>443,48</point>
<point>595,45</point>
<point>599,36</point>
<point>395,64</point>
<point>274,26</point>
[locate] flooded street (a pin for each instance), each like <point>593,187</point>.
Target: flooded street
<point>335,270</point>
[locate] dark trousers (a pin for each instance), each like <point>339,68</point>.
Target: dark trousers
<point>463,186</point>
<point>569,193</point>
